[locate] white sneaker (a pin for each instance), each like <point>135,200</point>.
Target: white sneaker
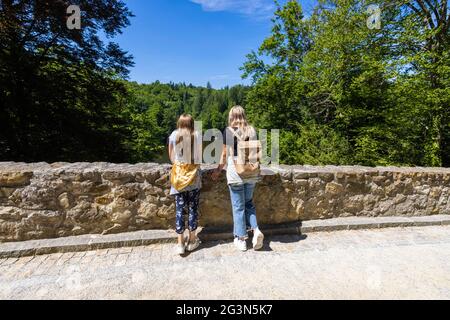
<point>258,239</point>
<point>240,244</point>
<point>181,249</point>
<point>193,245</point>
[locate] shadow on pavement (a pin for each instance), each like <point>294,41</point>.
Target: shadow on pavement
<point>269,238</point>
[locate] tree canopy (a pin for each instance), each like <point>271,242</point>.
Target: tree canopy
<point>59,88</point>
<point>340,90</point>
<point>154,110</point>
<point>346,93</point>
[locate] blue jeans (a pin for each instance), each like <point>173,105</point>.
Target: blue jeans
<point>244,211</point>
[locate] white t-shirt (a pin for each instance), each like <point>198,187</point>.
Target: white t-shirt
<point>179,157</point>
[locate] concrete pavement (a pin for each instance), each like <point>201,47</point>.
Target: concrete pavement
<point>395,263</point>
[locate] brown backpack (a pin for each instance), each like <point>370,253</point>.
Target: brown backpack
<point>248,162</point>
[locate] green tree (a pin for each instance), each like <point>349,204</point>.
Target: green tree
<point>153,110</point>
<point>60,90</point>
<point>426,40</point>
<point>276,99</point>
<point>382,91</point>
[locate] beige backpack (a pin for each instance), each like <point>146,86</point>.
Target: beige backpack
<point>248,162</point>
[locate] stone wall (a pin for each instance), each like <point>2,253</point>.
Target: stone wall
<point>54,200</point>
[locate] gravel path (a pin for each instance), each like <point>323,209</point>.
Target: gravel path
<point>398,263</point>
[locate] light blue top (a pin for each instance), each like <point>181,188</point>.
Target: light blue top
<point>178,157</point>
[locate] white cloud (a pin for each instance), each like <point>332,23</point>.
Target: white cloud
<point>248,7</point>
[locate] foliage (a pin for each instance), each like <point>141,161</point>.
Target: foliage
<point>341,92</point>
<point>154,110</point>
<point>385,92</point>
<point>59,89</point>
<point>318,145</point>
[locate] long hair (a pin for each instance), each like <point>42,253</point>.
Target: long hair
<point>186,136</point>
<point>237,118</point>
<point>185,126</point>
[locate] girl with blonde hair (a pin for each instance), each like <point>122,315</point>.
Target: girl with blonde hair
<point>241,188</point>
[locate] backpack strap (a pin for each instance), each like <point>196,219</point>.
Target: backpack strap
<point>237,136</point>
<point>234,132</point>
<point>231,147</point>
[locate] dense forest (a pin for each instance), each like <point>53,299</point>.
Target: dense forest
<point>340,91</point>
<point>153,110</point>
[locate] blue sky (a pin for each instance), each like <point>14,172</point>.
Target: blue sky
<point>195,41</point>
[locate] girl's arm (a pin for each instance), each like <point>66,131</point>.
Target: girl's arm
<point>223,161</point>
<point>171,153</point>
<point>223,158</point>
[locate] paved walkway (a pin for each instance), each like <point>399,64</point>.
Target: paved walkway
<point>398,263</point>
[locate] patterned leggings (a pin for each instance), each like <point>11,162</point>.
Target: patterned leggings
<point>188,200</point>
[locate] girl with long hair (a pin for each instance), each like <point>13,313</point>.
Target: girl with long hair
<point>184,146</point>
<point>241,188</point>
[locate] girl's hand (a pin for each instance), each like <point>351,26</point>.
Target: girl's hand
<point>216,174</point>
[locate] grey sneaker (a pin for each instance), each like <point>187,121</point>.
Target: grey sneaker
<point>193,245</point>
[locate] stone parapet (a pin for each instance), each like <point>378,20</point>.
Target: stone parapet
<point>43,200</point>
